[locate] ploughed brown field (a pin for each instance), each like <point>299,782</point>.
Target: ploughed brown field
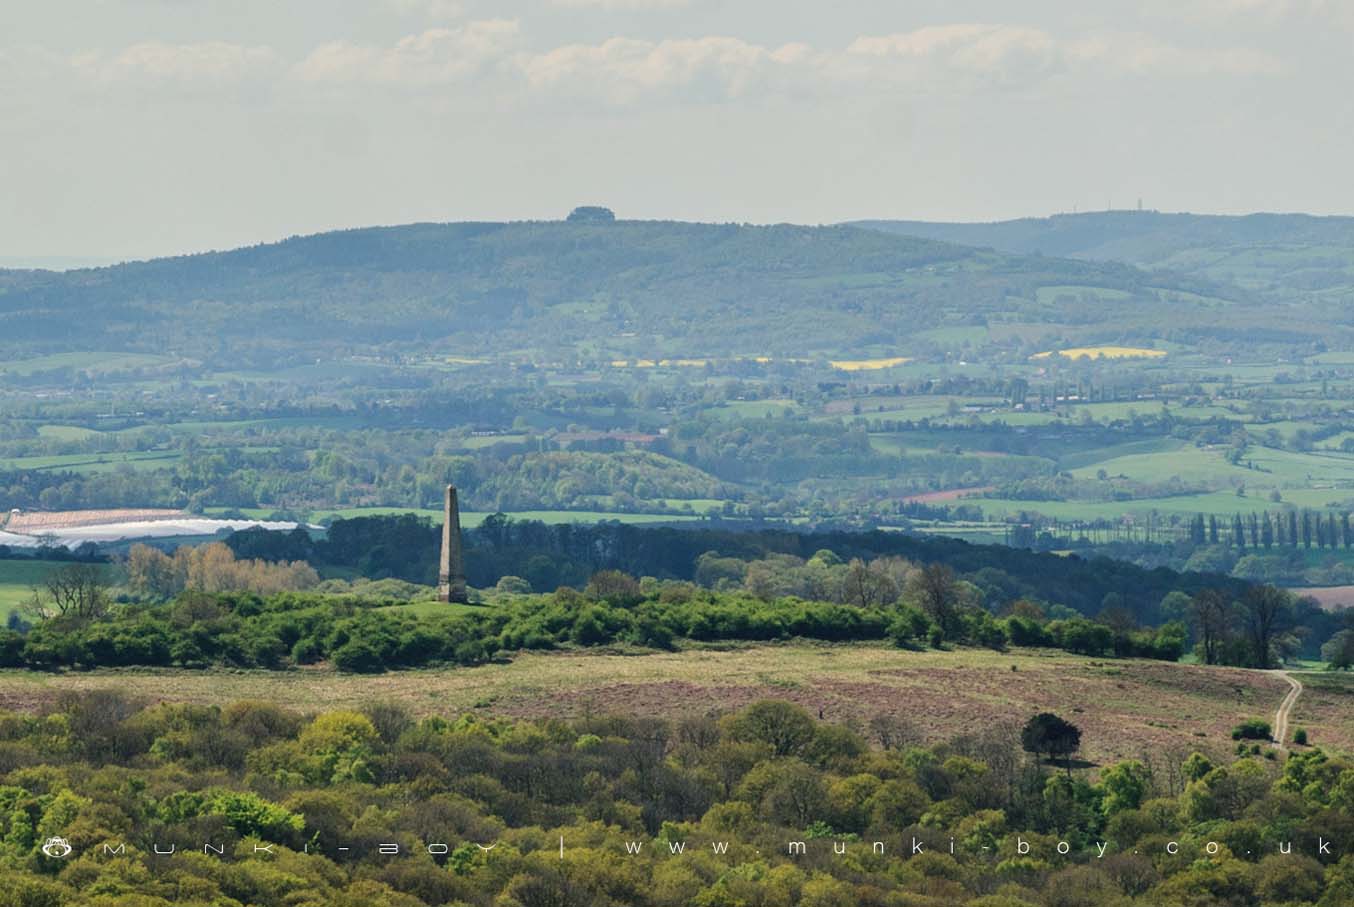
<point>952,494</point>
<point>1126,709</point>
<point>50,521</point>
<point>1332,598</point>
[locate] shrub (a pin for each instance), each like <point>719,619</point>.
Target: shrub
<point>785,727</point>
<point>11,649</point>
<point>512,585</point>
<point>1251,729</point>
<point>614,587</point>
<point>357,656</point>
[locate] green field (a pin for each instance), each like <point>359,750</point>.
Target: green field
<point>17,578</point>
<point>1047,295</point>
<point>94,362</point>
<point>85,464</point>
<point>1221,503</point>
<point>1083,458</point>
<point>67,432</point>
<point>1189,463</point>
<point>754,409</point>
<point>954,336</point>
<point>436,609</point>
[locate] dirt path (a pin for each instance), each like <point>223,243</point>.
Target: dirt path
<point>1286,709</point>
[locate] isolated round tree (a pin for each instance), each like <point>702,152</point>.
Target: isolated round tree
<point>1048,735</point>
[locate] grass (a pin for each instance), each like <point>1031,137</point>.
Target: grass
<point>1325,695</point>
<point>17,579</point>
<point>1047,295</point>
<point>1186,461</point>
<point>95,363</point>
<point>954,336</point>
<point>1312,480</point>
<point>18,575</point>
<point>1083,458</point>
<point>12,595</point>
<point>753,409</point>
<point>1294,468</point>
<point>67,432</point>
<point>86,464</point>
<point>698,505</point>
<point>1260,468</point>
<point>1221,503</point>
<point>1125,409</point>
<point>1124,708</point>
<point>436,609</point>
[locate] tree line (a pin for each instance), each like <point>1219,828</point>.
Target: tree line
<point>655,812</point>
<point>1265,627</point>
<point>359,634</point>
<point>548,556</point>
<point>1288,528</point>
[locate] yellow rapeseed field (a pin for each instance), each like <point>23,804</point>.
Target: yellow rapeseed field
<point>865,365</point>
<point>1103,352</point>
<point>651,363</point>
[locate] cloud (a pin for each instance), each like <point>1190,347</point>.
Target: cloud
<point>208,62</point>
<point>491,57</point>
<point>433,9</point>
<point>622,4</point>
<point>433,57</point>
<point>955,57</point>
<point>982,44</point>
<point>1002,51</point>
<point>1262,12</point>
<point>1021,55</point>
<point>1259,7</point>
<point>626,69</point>
<point>1143,54</point>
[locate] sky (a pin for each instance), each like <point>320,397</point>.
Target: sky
<point>137,128</point>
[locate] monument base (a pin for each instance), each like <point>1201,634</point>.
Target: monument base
<point>452,594</point>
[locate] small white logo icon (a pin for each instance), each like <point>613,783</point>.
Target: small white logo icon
<point>56,848</point>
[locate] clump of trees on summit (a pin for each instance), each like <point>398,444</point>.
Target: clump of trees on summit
<point>356,633</point>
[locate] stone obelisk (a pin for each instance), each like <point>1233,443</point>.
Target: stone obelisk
<point>451,576</point>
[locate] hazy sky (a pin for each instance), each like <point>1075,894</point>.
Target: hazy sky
<point>144,127</point>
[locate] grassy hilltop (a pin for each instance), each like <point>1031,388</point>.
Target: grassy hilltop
<point>694,289</point>
<point>1287,255</point>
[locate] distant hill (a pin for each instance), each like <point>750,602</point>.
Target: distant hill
<point>624,287</point>
<point>55,262</point>
<point>1289,255</point>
